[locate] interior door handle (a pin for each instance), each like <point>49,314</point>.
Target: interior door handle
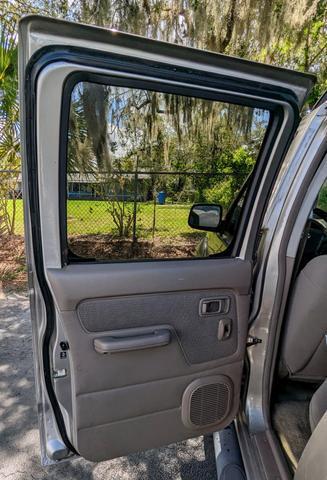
<point>214,306</point>
<point>116,344</point>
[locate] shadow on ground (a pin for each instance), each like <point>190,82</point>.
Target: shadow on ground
<point>19,440</point>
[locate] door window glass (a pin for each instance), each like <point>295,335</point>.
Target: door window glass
<point>314,237</point>
<point>138,160</point>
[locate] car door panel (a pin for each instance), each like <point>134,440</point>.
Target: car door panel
<point>73,283</point>
<point>156,378</point>
<point>104,405</point>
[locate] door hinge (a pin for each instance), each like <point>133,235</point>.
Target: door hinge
<point>252,341</point>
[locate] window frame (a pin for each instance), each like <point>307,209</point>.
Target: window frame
<point>206,88</point>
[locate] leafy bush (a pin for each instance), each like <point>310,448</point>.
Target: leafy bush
<point>236,167</point>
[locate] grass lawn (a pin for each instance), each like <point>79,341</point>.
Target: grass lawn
<point>93,234</point>
<point>19,222</point>
<point>92,217</point>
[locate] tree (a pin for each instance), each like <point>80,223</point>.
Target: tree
<point>282,33</point>
<point>9,129</point>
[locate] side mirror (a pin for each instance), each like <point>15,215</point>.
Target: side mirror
<point>204,216</point>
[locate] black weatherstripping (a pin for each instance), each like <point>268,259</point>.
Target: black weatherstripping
<point>32,176</point>
<point>189,79</point>
<point>159,70</point>
<point>74,78</point>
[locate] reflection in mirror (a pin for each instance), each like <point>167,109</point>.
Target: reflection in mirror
<point>205,217</point>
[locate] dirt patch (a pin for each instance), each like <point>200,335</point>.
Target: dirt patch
<point>13,277</point>
<point>106,247</point>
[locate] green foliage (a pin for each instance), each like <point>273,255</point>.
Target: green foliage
<point>237,165</point>
<point>120,210</point>
<point>9,127</point>
<point>301,43</point>
<point>322,200</point>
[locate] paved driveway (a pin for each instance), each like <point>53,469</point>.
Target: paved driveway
<point>19,441</point>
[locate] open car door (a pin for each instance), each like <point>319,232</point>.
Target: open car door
<point>133,351</point>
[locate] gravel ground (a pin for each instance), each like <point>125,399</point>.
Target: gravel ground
<point>19,440</point>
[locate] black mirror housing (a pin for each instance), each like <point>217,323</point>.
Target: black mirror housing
<point>205,216</point>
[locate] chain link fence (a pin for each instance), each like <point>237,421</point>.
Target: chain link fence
<point>125,215</point>
<point>135,214</point>
<point>11,203</point>
<point>12,253</point>
<point>131,215</point>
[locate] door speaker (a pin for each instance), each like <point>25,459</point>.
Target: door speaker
<point>207,401</point>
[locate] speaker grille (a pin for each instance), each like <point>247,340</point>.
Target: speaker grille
<point>209,403</point>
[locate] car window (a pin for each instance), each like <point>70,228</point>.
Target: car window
<point>322,198</point>
<point>314,237</point>
<point>137,160</point>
